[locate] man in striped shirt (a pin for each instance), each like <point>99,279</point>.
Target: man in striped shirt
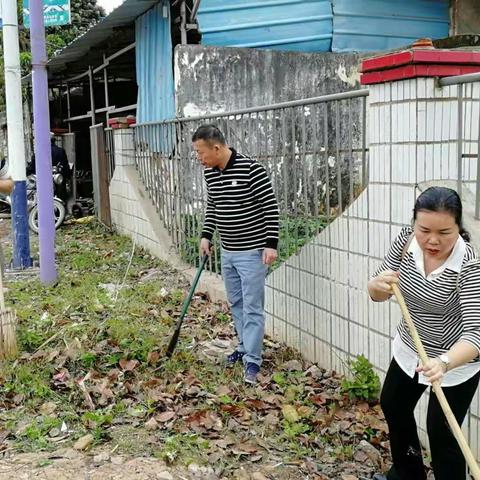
<point>242,206</point>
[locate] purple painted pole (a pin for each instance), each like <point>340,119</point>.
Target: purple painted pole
<point>43,154</point>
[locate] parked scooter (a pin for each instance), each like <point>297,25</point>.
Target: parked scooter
<point>59,208</point>
<point>63,201</point>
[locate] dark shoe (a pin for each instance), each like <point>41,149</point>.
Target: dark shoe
<point>234,357</point>
<point>251,372</point>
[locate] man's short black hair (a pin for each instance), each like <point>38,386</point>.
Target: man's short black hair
<point>209,133</point>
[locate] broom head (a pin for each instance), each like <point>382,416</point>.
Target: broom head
<point>8,336</point>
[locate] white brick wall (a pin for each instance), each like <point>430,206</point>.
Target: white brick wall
<point>412,139</point>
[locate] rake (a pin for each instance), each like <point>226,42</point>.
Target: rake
<point>437,388</point>
<point>186,304</point>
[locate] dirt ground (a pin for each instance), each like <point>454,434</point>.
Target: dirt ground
<point>107,462</point>
<point>72,465</point>
<point>69,464</point>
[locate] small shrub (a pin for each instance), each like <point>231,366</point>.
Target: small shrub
<point>293,429</point>
<point>29,381</point>
<point>35,435</point>
<point>364,383</point>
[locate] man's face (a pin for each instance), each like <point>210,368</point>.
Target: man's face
<point>208,154</point>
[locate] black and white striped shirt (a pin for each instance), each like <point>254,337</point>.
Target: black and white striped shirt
<point>4,173</point>
<point>446,308</point>
<point>242,205</point>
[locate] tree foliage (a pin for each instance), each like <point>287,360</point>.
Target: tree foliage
<point>85,14</point>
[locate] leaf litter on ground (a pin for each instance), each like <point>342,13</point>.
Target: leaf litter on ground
<point>92,372</point>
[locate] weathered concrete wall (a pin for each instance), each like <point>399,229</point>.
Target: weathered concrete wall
<point>465,17</point>
<point>219,79</point>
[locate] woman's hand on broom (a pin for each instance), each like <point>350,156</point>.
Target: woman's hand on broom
<point>379,287</point>
<point>433,370</point>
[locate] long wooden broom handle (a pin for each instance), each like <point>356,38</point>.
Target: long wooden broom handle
<point>437,388</point>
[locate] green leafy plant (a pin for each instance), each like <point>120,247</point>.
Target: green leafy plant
<point>279,378</point>
<point>364,383</point>
<point>28,380</point>
<point>98,422</point>
<point>87,360</point>
<point>295,232</point>
<point>294,429</point>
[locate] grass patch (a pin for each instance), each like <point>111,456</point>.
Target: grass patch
<point>93,358</point>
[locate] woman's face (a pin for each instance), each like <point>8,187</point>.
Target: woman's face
<point>436,233</point>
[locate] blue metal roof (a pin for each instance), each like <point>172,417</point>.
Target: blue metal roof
<point>303,25</point>
<point>374,25</point>
<point>322,25</point>
<point>156,95</point>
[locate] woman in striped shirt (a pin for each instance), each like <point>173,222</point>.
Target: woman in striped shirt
<point>436,269</point>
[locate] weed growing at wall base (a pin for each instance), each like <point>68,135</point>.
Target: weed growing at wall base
<point>363,383</point>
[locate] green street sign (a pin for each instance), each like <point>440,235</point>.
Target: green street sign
<point>55,12</point>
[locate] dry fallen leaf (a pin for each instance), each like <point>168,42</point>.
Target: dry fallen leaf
<point>128,365</point>
<point>290,414</point>
<point>164,416</point>
<point>151,424</point>
<point>153,357</point>
<point>48,408</point>
<point>83,442</point>
<point>223,390</point>
<point>259,476</point>
<point>244,449</point>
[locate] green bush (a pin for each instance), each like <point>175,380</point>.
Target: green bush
<point>295,232</point>
<point>364,383</point>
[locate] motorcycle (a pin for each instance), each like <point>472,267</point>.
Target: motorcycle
<point>59,208</point>
<point>63,202</point>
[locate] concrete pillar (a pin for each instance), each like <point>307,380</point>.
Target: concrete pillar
<point>416,133</point>
<point>124,147</point>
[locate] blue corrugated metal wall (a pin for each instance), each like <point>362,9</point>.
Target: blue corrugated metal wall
<point>321,25</point>
<point>369,25</point>
<point>304,25</point>
<point>156,94</point>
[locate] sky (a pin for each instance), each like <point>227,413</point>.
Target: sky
<point>109,5</point>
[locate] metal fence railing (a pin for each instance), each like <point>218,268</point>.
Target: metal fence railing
<point>314,151</point>
<point>468,133</point>
<point>110,152</point>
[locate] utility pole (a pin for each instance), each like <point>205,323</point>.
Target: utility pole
<point>15,134</point>
<point>43,153</point>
